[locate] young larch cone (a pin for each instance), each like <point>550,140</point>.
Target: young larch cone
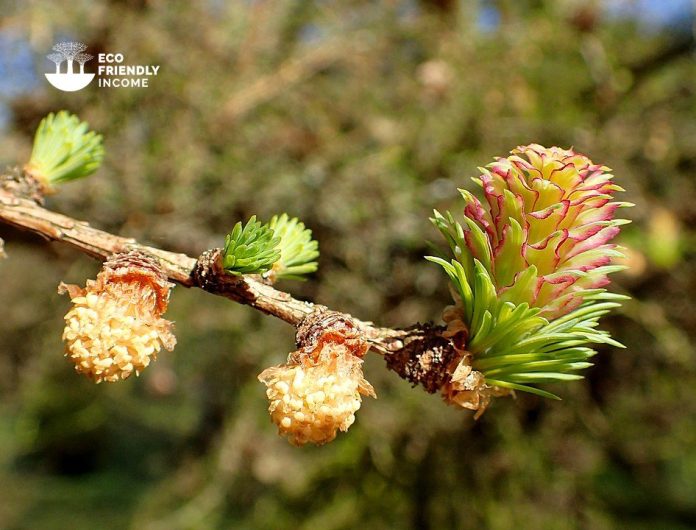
<point>115,327</point>
<point>529,268</point>
<point>552,209</point>
<point>318,391</point>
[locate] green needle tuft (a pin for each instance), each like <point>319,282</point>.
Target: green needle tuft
<point>250,249</point>
<point>298,251</point>
<point>64,149</point>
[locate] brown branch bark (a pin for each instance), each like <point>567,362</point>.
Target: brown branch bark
<point>206,272</point>
<point>420,354</point>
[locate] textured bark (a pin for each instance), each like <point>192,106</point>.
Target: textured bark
<point>424,357</point>
<point>406,349</point>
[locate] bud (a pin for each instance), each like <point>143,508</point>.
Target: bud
<point>318,391</point>
<point>115,327</point>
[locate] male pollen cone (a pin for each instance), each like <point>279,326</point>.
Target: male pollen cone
<point>318,391</point>
<point>115,326</point>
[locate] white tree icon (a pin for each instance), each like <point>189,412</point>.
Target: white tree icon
<point>70,50</point>
<point>57,58</point>
<point>69,81</point>
<point>82,58</point>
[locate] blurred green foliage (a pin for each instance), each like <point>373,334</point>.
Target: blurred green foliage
<point>359,118</point>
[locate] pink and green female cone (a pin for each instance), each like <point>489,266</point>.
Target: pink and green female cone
<point>529,269</point>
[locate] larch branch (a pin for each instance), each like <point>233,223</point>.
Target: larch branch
<point>205,272</point>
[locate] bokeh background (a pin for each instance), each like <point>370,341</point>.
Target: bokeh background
<point>359,117</point>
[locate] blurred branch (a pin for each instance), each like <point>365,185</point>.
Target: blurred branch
<point>677,49</point>
<point>291,72</point>
<point>641,71</point>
